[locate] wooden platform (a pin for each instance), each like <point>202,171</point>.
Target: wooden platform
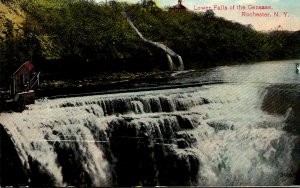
<point>19,102</point>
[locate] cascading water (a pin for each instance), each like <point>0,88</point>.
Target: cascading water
<point>210,135</point>
<point>169,52</point>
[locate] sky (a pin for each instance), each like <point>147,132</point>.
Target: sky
<point>288,11</point>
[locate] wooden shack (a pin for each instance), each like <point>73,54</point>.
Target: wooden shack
<point>24,81</point>
<point>178,8</point>
<point>24,78</point>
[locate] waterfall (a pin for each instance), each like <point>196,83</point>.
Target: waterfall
<point>170,62</point>
<point>181,65</point>
<point>189,136</point>
<point>170,53</point>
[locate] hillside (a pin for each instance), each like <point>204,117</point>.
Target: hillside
<point>74,39</point>
<point>10,13</point>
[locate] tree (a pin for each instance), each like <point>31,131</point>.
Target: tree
<point>209,14</point>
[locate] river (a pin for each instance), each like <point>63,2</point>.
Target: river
<point>229,125</point>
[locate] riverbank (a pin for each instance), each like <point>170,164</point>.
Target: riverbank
<point>110,82</point>
<point>97,38</point>
<point>105,82</point>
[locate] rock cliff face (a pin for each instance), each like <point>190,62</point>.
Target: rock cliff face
<point>11,18</point>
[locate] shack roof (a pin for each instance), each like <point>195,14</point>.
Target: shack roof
<point>27,65</point>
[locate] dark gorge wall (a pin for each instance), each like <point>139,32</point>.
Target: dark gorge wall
<point>11,168</point>
<point>13,171</point>
<point>284,100</point>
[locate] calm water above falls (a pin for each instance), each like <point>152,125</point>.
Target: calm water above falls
<point>244,130</point>
<point>277,72</point>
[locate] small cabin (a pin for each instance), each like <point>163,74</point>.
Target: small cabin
<point>24,78</point>
<point>179,7</point>
<point>24,81</point>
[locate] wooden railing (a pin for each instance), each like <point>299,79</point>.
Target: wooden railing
<point>35,80</point>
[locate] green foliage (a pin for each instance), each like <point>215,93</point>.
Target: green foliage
<point>83,28</point>
<point>187,33</point>
<point>90,32</point>
<point>206,40</point>
<point>15,50</point>
<point>283,45</point>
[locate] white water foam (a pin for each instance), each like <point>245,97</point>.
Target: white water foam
<point>237,143</point>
